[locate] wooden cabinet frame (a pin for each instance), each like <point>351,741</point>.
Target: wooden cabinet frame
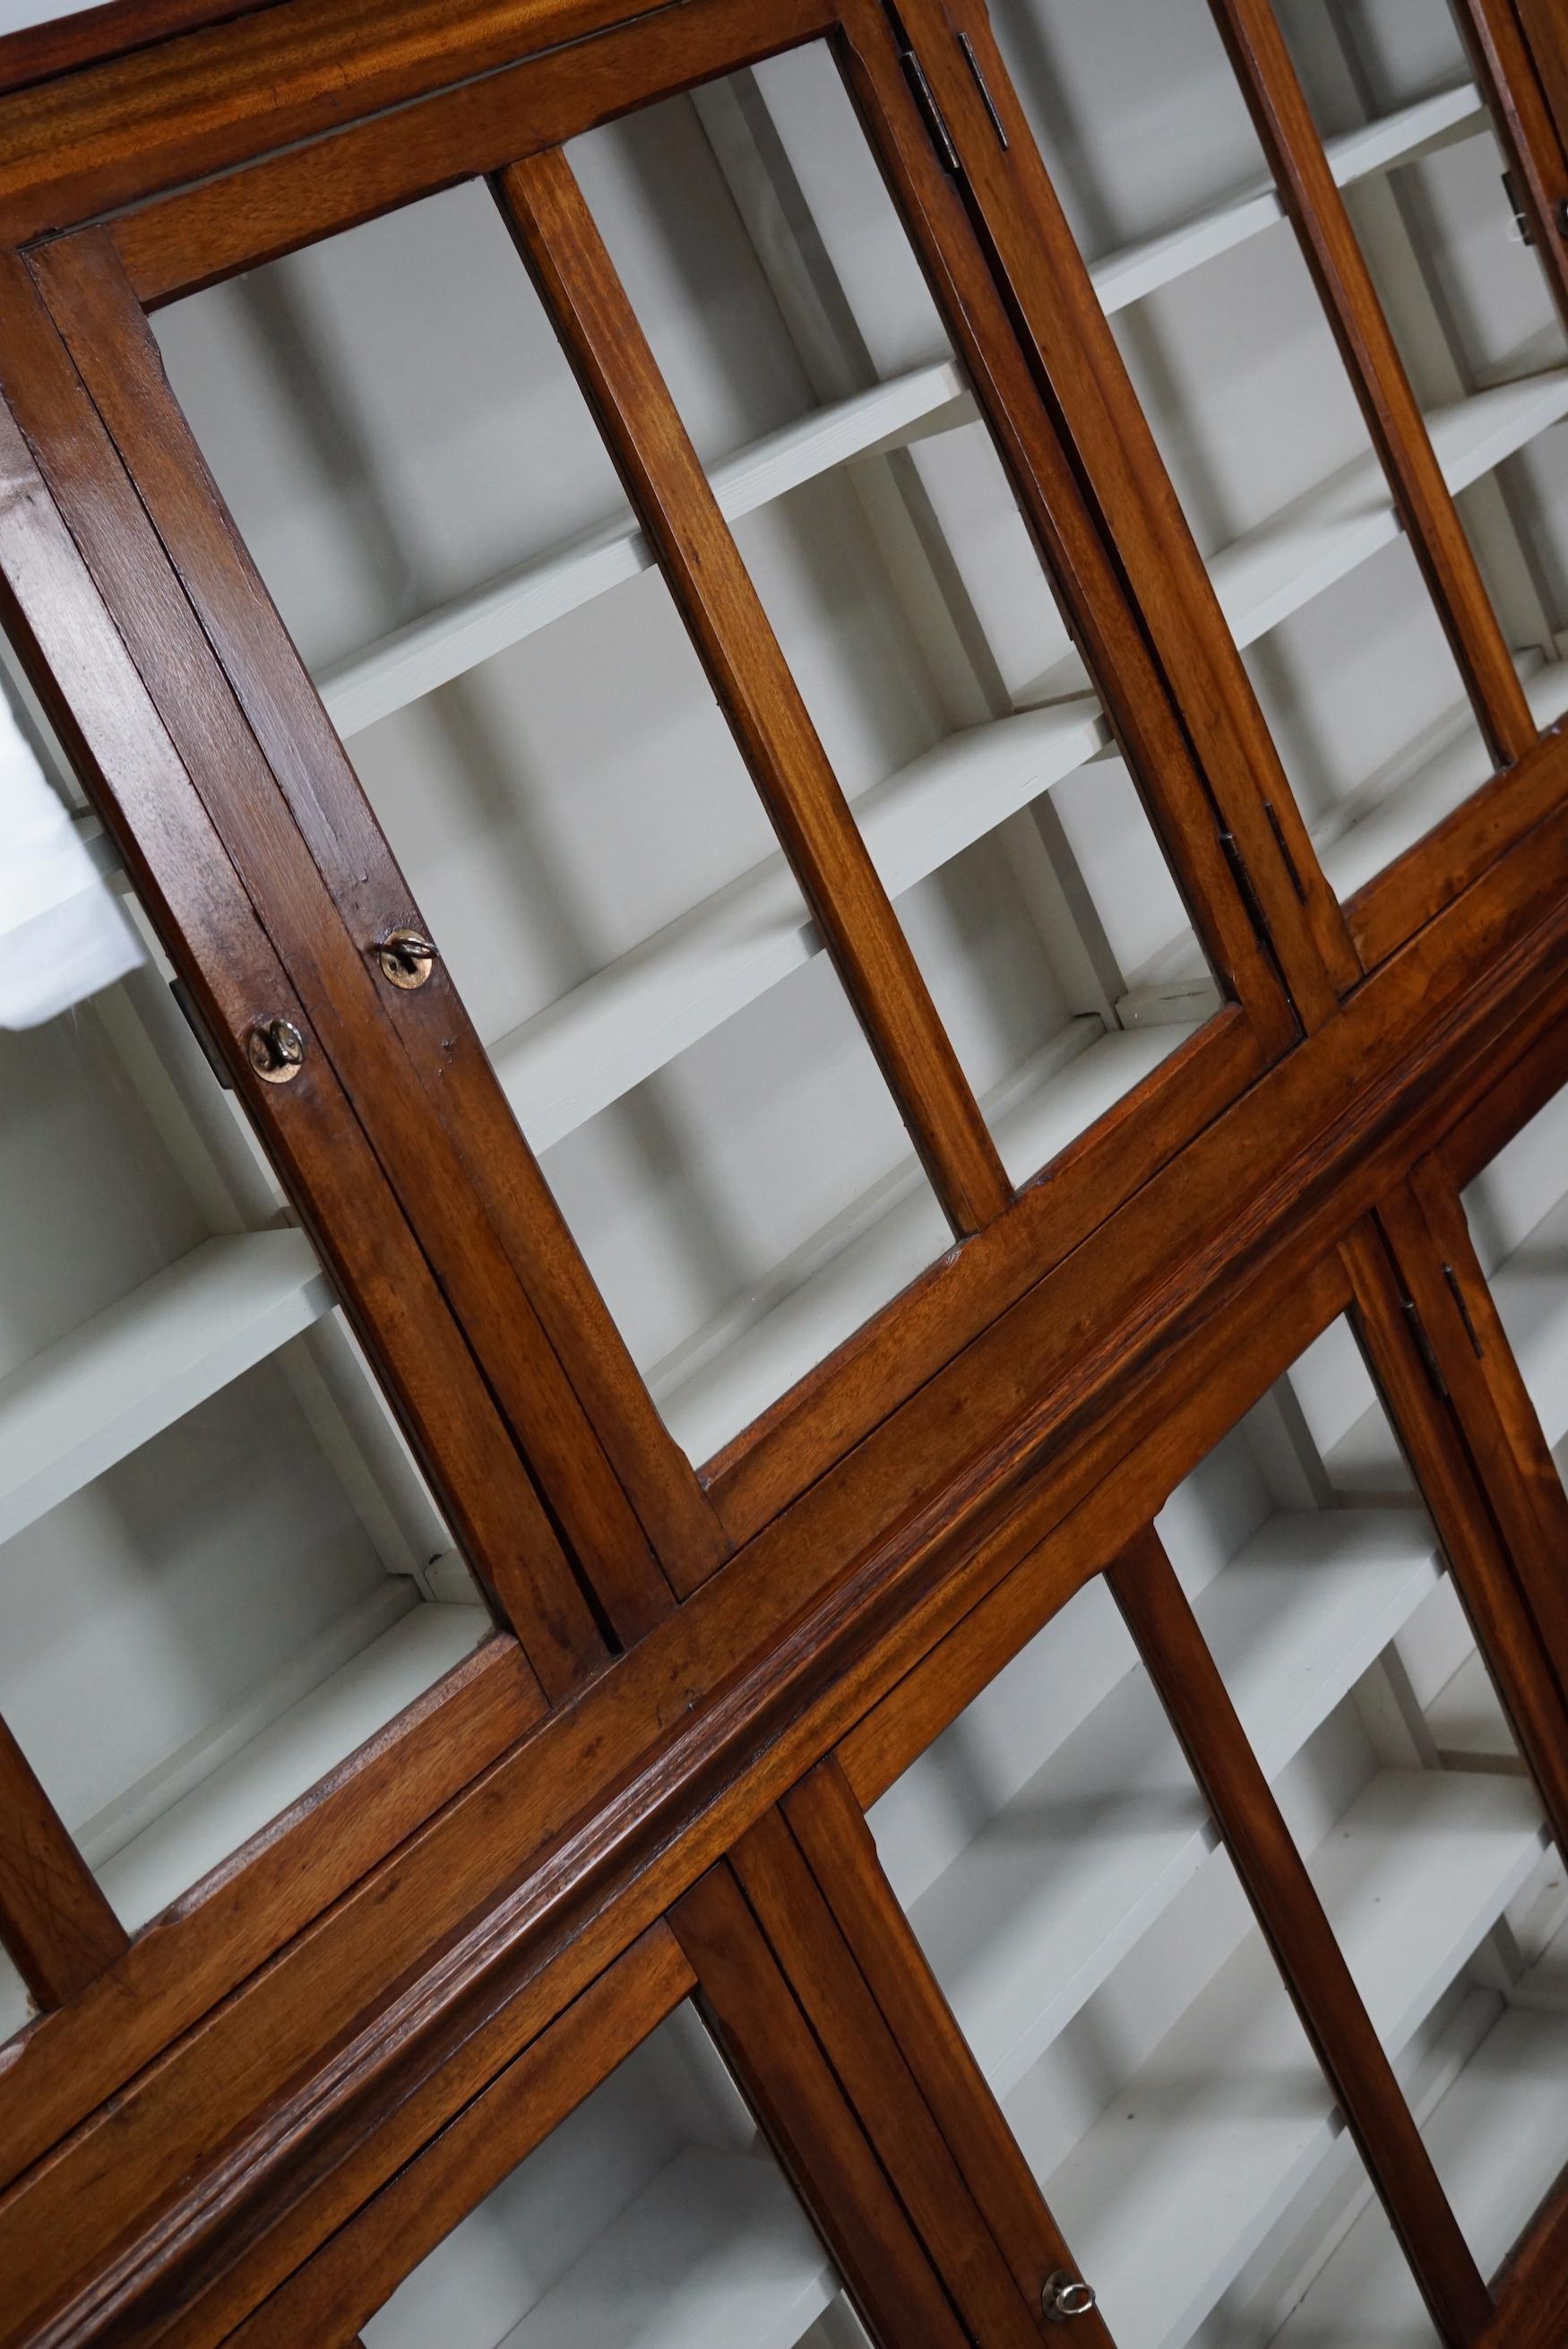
<point>648,1781</point>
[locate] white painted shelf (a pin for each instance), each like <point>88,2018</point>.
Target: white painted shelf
<point>1467,1723</point>
<point>1394,810</point>
<point>1205,2149</point>
<point>240,1791</point>
<point>1143,268</point>
<point>442,644</point>
<point>717,1382</point>
<point>208,1798</point>
<point>439,646</point>
<point>1328,532</point>
<point>87,1402</point>
<point>1497,2137</point>
<point>714,2254</point>
<point>1033,1915</point>
<point>586,1049</point>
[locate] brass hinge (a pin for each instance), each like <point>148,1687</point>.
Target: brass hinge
<point>935,122</point>
<point>1424,1348</point>
<point>1251,905</point>
<point>984,87</point>
<point>1451,1276</point>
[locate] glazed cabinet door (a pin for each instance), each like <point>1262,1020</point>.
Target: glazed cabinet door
<point>1328,243</point>
<point>1222,1881</point>
<point>666,514</point>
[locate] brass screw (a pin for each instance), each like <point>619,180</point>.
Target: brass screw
<point>406,958</point>
<point>276,1051</point>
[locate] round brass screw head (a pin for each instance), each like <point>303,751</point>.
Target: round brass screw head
<point>406,958</point>
<point>276,1051</point>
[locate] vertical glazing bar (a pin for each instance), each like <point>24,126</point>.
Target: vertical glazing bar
<point>558,238</point>
<point>1317,212</point>
<point>53,1921</point>
<point>1275,1878</point>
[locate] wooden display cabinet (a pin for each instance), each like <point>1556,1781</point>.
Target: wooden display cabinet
<point>782,1415</point>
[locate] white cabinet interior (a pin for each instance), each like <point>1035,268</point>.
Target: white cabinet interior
<point>1065,1879</point>
<point>221,1572</point>
<point>403,451</point>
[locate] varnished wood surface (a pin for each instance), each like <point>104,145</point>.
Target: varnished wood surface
<point>386,2237</point>
<point>318,2060</point>
<point>780,1638</point>
<point>1075,352</point>
<point>828,1825</point>
<point>1510,67</point>
<point>53,1921</point>
<point>790,2084</point>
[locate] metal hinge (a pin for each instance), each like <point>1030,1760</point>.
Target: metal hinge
<point>1451,1276</point>
<point>984,87</point>
<point>1424,1348</point>
<point>1521,220</point>
<point>1252,904</point>
<point>935,123</point>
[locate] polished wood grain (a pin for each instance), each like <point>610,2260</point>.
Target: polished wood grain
<point>1546,40</point>
<point>1488,1577</point>
<point>260,2113</point>
<point>750,2007</point>
<point>1033,252</point>
<point>198,234</point>
<point>148,801</point>
<point>362,2263</point>
<point>829,1829</point>
<point>808,1630</point>
<point>57,1927</point>
<point>276,776</point>
<point>879,2080</point>
<point>1430,1237</point>
<point>1273,1876</point>
<point>713,592</point>
<point>1317,212</point>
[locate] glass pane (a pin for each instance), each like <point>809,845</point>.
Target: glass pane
<point>1424,1833</point>
<point>884,539</point>
<point>398,434</point>
<point>1468,302</point>
<point>1517,1210</point>
<point>654,2218</point>
<point>1074,1897</point>
<point>1066,1884</point>
<point>220,1569</point>
<point>1151,147</point>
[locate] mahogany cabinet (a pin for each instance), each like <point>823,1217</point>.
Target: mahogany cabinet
<point>782,1413</point>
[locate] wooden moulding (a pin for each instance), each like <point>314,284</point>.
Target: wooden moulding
<point>555,232</point>
<point>688,1534</point>
<point>784,1650</point>
<point>674,1815</point>
<point>1522,67</point>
